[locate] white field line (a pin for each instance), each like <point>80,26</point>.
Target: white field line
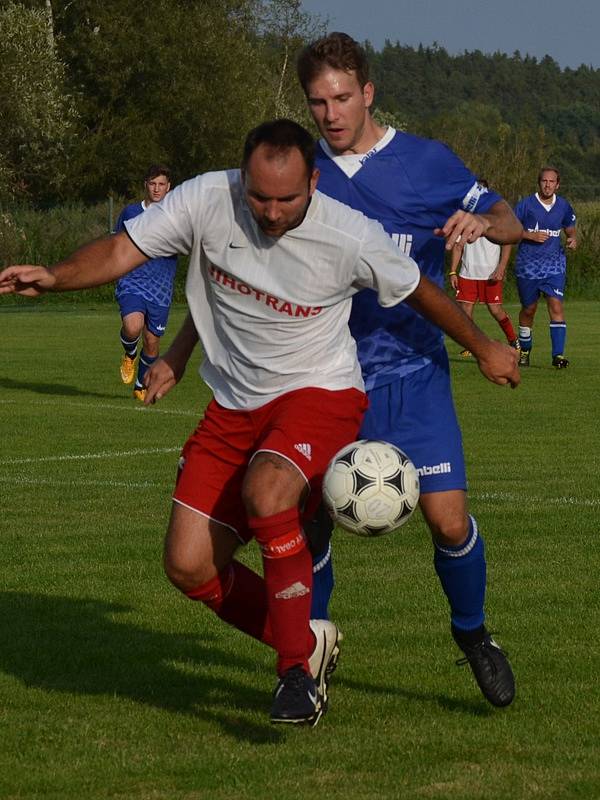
<point>111,407</point>
<point>5,462</point>
<point>589,502</point>
<point>21,480</point>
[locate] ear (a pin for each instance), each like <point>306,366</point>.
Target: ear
<point>312,184</point>
<point>368,94</point>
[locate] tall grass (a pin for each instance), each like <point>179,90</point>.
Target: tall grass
<point>33,236</point>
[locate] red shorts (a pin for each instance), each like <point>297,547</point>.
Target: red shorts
<point>470,291</point>
<point>306,427</point>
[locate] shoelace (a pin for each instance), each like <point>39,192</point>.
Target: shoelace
<point>482,647</point>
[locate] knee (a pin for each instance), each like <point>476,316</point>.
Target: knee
<point>451,530</point>
<point>184,574</point>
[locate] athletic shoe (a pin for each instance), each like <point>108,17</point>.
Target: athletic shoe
<point>296,699</point>
<point>515,344</point>
<point>560,362</point>
<point>140,394</point>
<point>491,669</point>
<point>465,354</point>
<point>324,658</point>
<point>524,358</point>
<point>127,369</point>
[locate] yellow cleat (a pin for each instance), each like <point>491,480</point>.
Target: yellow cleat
<point>465,354</point>
<point>127,369</point>
<point>140,394</point>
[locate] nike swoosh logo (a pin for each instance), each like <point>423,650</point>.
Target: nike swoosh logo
<point>235,246</point>
<point>313,698</point>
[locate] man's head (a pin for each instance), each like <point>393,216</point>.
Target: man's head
<point>548,182</point>
<point>334,73</point>
<point>278,170</point>
<point>157,182</point>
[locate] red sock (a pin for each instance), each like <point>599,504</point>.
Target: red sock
<point>287,565</point>
<point>508,329</point>
<point>238,596</point>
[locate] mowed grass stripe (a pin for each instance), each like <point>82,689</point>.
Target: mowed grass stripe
<point>114,686</point>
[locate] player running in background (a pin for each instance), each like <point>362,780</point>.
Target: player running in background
<point>541,265</point>
<point>144,295</point>
<point>479,280</point>
<point>273,267</point>
<point>417,189</point>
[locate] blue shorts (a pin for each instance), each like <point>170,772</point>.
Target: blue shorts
<point>416,413</point>
<point>530,289</point>
<point>155,316</point>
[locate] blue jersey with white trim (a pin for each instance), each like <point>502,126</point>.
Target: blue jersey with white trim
<point>540,259</point>
<point>411,186</point>
<point>153,280</point>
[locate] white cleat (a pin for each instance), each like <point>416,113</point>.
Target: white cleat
<point>324,657</point>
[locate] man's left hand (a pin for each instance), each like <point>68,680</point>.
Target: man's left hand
<point>462,228</point>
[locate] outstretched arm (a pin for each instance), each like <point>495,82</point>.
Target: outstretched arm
<point>168,370</point>
<point>497,361</point>
<point>499,224</point>
<point>94,264</point>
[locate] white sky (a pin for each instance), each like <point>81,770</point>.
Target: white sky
<point>567,31</point>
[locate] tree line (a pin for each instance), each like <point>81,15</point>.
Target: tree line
<point>93,91</point>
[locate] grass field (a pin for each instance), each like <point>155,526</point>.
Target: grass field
<point>114,686</point>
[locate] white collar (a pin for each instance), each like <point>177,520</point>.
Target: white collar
<point>547,206</point>
<point>352,162</point>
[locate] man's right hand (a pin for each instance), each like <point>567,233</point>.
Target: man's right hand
<point>160,378</point>
<point>26,279</point>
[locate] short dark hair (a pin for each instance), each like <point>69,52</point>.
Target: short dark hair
<point>339,51</point>
<point>549,169</point>
<point>483,182</point>
<point>154,170</point>
<point>282,135</point>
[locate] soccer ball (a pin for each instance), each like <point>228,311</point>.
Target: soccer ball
<point>370,488</point>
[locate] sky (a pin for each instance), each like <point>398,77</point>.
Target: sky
<point>567,31</point>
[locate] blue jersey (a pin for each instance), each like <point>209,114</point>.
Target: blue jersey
<point>153,280</point>
<point>541,259</point>
<point>411,186</point>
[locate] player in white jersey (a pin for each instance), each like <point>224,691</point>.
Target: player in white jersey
<point>273,268</point>
<point>422,193</point>
<point>480,278</point>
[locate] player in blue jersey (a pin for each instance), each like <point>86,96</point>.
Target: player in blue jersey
<point>428,202</point>
<point>542,264</point>
<point>145,295</point>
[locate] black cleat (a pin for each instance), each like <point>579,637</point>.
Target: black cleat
<point>515,344</point>
<point>296,699</point>
<point>560,362</point>
<point>524,358</point>
<point>491,669</point>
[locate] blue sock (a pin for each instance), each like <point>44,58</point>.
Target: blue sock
<point>145,362</point>
<point>129,345</point>
<point>322,584</point>
<point>462,573</point>
<point>525,338</point>
<point>558,336</point>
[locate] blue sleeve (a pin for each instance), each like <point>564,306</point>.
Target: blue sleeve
<point>569,218</point>
<point>446,184</point>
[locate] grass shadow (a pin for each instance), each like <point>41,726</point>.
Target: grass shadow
<point>58,389</point>
<point>63,644</point>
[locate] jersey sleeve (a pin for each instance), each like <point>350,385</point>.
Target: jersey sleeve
<point>520,211</point>
<point>383,267</point>
<point>569,218</point>
<point>169,227</point>
<point>445,184</point>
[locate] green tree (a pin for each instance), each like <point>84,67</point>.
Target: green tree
<point>38,116</point>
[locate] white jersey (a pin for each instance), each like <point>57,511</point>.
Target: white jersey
<point>272,313</point>
<point>479,259</point>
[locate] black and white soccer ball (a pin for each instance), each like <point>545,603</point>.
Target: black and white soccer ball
<point>370,488</point>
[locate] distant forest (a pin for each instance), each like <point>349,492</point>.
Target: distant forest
<point>516,97</point>
<point>93,91</point>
